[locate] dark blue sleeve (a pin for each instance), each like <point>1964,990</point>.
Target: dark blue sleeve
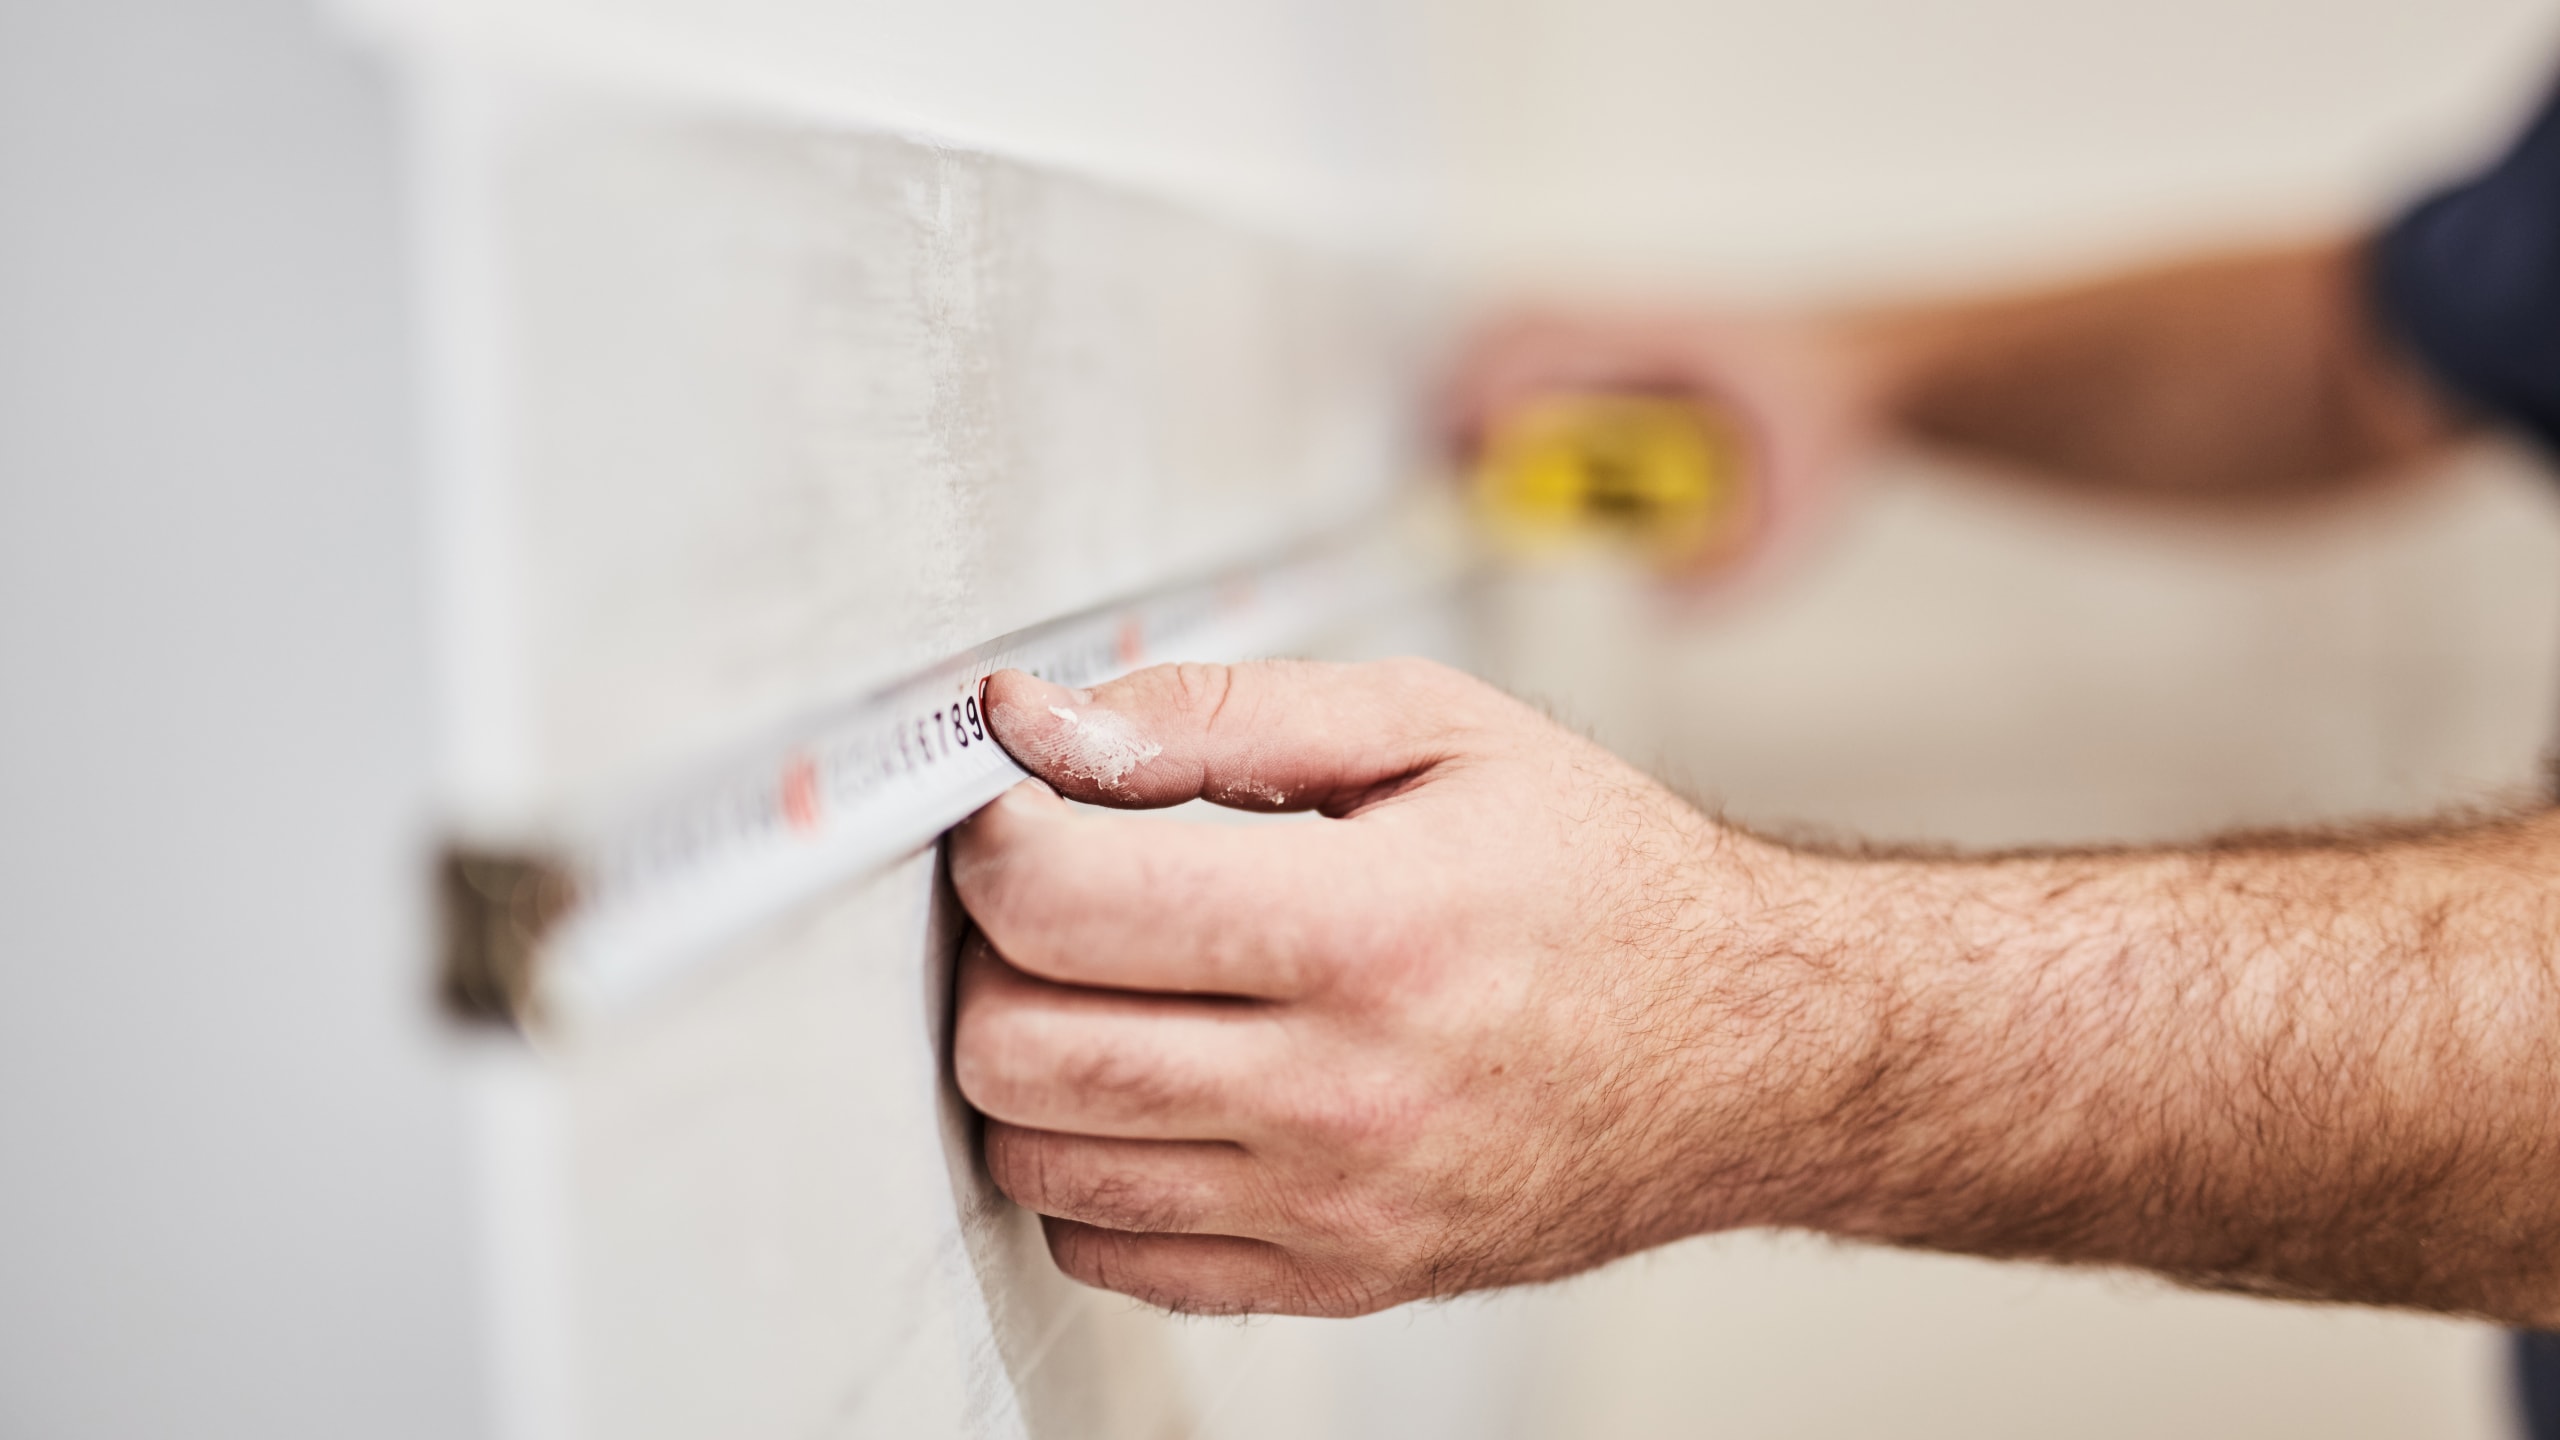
<point>2469,281</point>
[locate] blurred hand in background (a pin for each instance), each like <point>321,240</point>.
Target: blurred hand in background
<point>1806,394</point>
<point>2245,375</point>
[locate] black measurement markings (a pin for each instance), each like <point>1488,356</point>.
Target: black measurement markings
<point>755,811</point>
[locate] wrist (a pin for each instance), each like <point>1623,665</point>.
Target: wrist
<point>1898,353</point>
<point>1807,1021</point>
<point>1949,1064</point>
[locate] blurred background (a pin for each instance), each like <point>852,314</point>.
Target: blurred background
<point>1964,661</point>
<point>234,1178</point>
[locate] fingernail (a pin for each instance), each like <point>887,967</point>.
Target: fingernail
<point>1023,714</point>
<point>1027,686</point>
<point>1062,732</point>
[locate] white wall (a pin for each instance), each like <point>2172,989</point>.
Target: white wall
<point>1812,144</point>
<point>384,464</point>
<point>1294,115</point>
<point>774,357</point>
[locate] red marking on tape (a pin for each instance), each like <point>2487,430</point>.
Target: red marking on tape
<point>800,794</point>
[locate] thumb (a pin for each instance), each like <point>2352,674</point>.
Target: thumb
<point>1267,735</point>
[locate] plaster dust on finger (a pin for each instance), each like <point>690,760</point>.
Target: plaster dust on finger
<point>1088,743</point>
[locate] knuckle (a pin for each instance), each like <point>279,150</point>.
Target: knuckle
<point>1132,1082</point>
<point>986,874</point>
<point>1106,1260</point>
<point>985,848</point>
<point>989,1057</point>
<point>1077,1249</point>
<point>1415,681</point>
<point>1019,880</point>
<point>1331,1291</point>
<point>1203,690</point>
<point>1378,1127</point>
<point>1010,1060</point>
<point>1360,1123</point>
<point>1126,1201</point>
<point>1023,906</point>
<point>1319,1204</point>
<point>1142,1268</point>
<point>979,972</point>
<point>982,1084</point>
<point>1375,957</point>
<point>1397,945</point>
<point>1018,1160</point>
<point>1058,1176</point>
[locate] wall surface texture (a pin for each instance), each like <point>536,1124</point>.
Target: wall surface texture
<point>748,404</point>
<point>426,419</point>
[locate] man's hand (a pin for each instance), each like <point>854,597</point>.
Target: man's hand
<point>1511,1009</point>
<point>1491,1020</point>
<point>2248,374</point>
<point>1810,395</point>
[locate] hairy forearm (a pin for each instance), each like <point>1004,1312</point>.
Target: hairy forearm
<point>2254,373</point>
<point>2322,1070</point>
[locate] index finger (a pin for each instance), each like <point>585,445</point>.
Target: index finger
<point>1113,901</point>
<point>1529,356</point>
